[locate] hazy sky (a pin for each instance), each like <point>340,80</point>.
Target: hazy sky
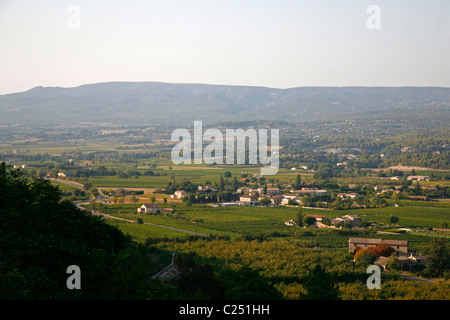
<point>276,43</point>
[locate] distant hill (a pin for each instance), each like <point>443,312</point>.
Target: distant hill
<point>155,103</point>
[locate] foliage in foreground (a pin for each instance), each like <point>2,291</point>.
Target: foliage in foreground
<point>40,236</point>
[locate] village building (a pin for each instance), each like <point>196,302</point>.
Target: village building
<point>348,195</point>
<point>290,223</point>
<point>242,190</point>
<point>248,200</point>
<point>353,218</point>
<point>418,178</point>
<point>290,196</point>
<point>405,261</point>
<point>145,208</point>
<point>337,221</point>
<point>420,198</point>
<point>20,166</point>
<point>354,244</point>
<point>171,272</point>
<point>317,217</point>
<point>178,194</point>
<point>65,174</point>
<point>226,204</point>
<point>273,191</point>
<point>264,196</point>
<point>202,189</point>
<point>309,191</point>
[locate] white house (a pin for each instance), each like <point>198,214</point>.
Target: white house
<point>20,166</point>
<point>248,199</point>
<point>418,178</point>
<point>178,194</point>
<point>290,223</point>
<point>347,195</point>
<point>65,174</point>
<point>310,191</point>
<point>148,208</point>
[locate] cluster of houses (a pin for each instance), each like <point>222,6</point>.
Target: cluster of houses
<point>325,222</point>
<point>348,218</point>
<point>273,196</point>
<point>249,196</point>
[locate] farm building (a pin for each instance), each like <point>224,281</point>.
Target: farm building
<point>418,178</point>
<point>148,208</point>
<point>400,246</point>
<point>248,199</point>
<point>178,194</point>
<point>290,223</point>
<point>348,195</point>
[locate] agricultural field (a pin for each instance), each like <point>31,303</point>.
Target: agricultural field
<point>195,174</point>
<point>268,223</point>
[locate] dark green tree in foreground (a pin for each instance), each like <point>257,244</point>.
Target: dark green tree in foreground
<point>438,260</point>
<point>320,285</point>
<point>41,235</point>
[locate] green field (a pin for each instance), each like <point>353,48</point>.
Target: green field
<point>140,232</point>
<point>268,223</point>
<point>194,174</point>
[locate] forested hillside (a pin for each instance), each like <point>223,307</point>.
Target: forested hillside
<point>154,103</point>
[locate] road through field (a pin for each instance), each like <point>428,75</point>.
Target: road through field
<point>98,213</point>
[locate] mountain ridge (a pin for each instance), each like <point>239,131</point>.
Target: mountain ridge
<point>162,103</point>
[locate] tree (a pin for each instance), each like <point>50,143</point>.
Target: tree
<point>265,201</point>
<point>381,250</point>
<point>393,219</point>
<point>221,183</point>
<point>363,258</point>
<point>309,221</point>
<point>87,186</point>
<point>153,199</point>
<point>348,224</point>
<point>94,192</point>
<point>188,203</point>
<point>63,234</point>
<point>299,220</point>
<point>298,183</point>
<point>93,204</point>
<point>319,285</point>
<point>247,284</point>
<point>235,183</point>
<point>393,263</point>
<point>306,201</point>
<point>134,199</point>
<point>438,260</point>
